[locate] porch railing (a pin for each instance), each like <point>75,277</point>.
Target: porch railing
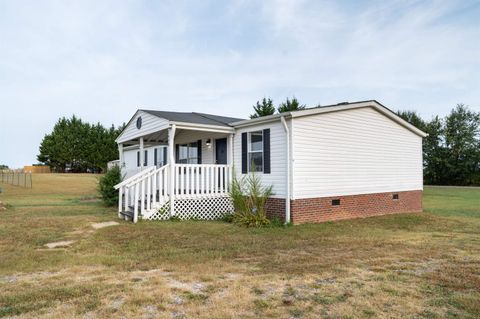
<point>149,190</point>
<point>201,180</point>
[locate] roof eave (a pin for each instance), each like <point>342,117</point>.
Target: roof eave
<point>260,120</point>
<point>202,127</point>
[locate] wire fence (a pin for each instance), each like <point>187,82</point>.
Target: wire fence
<point>16,178</point>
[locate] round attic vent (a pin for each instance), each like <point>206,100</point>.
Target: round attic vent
<point>139,122</point>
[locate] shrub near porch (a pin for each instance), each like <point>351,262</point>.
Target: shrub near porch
<point>406,265</point>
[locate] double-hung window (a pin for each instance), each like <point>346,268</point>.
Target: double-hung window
<point>188,153</point>
<point>255,151</point>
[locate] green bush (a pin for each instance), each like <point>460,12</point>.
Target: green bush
<point>106,183</point>
<point>227,218</point>
<point>249,198</point>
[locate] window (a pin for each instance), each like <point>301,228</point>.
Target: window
<point>138,159</point>
<point>335,202</point>
<point>145,159</point>
<point>155,156</point>
<point>188,153</point>
<point>395,196</point>
<point>255,151</point>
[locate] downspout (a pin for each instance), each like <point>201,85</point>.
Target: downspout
<point>287,199</point>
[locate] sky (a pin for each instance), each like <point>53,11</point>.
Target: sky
<point>103,60</point>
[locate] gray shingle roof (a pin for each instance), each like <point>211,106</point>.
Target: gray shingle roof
<point>193,117</point>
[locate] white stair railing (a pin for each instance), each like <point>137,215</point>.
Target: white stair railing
<point>146,193</point>
<point>124,192</point>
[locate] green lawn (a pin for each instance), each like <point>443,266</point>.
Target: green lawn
<point>408,265</point>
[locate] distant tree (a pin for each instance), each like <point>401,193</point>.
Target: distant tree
<point>434,153</point>
<point>263,109</point>
<point>79,146</point>
<point>413,118</point>
<point>451,151</point>
<point>462,139</point>
<point>3,166</point>
<point>290,105</point>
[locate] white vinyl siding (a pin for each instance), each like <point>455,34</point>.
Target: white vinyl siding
<point>150,124</point>
<point>358,151</point>
<point>130,159</point>
<point>189,136</point>
<point>278,156</point>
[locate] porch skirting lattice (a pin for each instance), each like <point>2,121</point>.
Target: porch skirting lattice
<point>208,208</point>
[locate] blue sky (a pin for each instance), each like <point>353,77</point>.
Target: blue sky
<point>101,60</point>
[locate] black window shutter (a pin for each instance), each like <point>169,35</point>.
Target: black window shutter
<point>199,151</point>
<point>138,158</point>
<point>155,156</point>
<point>145,160</point>
<point>266,151</point>
<point>244,153</point>
<point>177,150</point>
<point>165,158</point>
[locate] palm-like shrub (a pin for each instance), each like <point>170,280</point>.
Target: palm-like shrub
<point>249,198</point>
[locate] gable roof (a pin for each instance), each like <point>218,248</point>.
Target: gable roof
<point>194,117</point>
<point>334,108</point>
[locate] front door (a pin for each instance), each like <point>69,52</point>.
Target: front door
<point>221,151</point>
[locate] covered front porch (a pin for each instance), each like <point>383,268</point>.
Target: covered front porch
<point>181,170</point>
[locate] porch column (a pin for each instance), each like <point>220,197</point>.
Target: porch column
<point>171,160</point>
<point>120,155</point>
<point>121,189</point>
<point>230,159</point>
<point>142,154</point>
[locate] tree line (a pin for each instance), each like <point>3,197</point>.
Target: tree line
<point>451,151</point>
<point>77,146</point>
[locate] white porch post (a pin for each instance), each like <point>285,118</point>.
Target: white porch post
<point>120,190</point>
<point>120,154</point>
<point>230,160</point>
<point>171,160</point>
<point>142,154</point>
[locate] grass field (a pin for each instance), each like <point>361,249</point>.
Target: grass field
<point>408,265</point>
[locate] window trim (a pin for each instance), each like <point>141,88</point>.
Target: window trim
<point>249,151</point>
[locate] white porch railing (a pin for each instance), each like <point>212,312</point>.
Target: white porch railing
<point>148,191</point>
<point>201,180</point>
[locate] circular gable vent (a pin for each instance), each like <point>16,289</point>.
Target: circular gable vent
<point>139,122</point>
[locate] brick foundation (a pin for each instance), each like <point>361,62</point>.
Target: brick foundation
<point>317,210</point>
<point>275,208</point>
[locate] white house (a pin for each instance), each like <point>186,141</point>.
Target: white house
<point>325,163</point>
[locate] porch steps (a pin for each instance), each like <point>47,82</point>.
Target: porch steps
<point>127,215</point>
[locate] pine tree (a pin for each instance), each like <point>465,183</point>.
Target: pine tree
<point>292,105</point>
<point>263,109</point>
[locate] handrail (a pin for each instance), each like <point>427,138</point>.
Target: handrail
<point>146,190</point>
<point>134,177</point>
<point>144,177</point>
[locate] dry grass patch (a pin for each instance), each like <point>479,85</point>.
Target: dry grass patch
<point>410,265</point>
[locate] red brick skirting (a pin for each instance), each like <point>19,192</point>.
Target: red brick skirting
<point>317,210</point>
<point>275,208</point>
